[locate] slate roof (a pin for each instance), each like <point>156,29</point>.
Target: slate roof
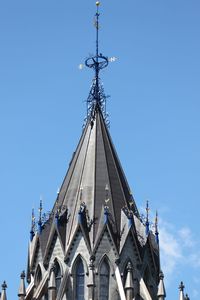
<point>95,177</point>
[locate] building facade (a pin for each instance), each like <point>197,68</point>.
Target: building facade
<point>94,245</point>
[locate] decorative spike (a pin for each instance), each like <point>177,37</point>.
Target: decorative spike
<point>161,287</point>
<point>81,212</point>
<point>129,286</point>
<point>22,289</point>
<point>156,228</point>
<point>3,294</point>
<point>181,288</point>
<point>147,218</point>
<point>106,194</point>
<point>186,297</point>
<point>81,193</point>
<point>130,219</point>
<point>57,211</point>
<point>40,217</point>
<point>57,217</point>
<point>58,192</point>
<point>32,232</point>
<point>106,214</point>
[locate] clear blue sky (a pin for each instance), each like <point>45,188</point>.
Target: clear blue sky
<point>154,113</point>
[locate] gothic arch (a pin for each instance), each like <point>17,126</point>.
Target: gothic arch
<point>38,275</point>
<point>104,278</point>
<point>79,272</point>
<point>78,257</point>
<point>105,257</point>
<point>58,273</point>
<point>57,261</point>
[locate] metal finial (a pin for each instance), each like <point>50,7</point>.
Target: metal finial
<point>81,193</point>
<point>187,297</point>
<point>181,286</point>
<point>40,209</point>
<point>129,267</point>
<point>96,62</point>
<point>22,275</point>
<point>147,218</point>
<point>161,275</point>
<point>156,228</point>
<point>4,286</point>
<point>107,194</point>
<point>106,214</point>
<point>147,211</point>
<point>32,232</point>
<point>58,209</point>
<point>40,216</point>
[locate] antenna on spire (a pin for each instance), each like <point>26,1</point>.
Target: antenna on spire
<point>97,62</point>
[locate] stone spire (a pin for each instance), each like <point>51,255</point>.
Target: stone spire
<point>3,294</point>
<point>95,165</point>
<point>22,289</point>
<point>161,288</point>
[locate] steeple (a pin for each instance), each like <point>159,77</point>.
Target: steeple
<point>94,232</point>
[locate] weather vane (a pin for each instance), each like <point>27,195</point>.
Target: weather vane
<point>97,62</point>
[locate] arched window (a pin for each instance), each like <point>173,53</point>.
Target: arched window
<point>80,281</point>
<point>104,281</point>
<point>58,276</point>
<point>38,276</point>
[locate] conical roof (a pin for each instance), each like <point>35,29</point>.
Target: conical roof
<point>95,178</point>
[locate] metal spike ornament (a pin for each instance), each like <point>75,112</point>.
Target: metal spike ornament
<point>40,217</point>
<point>156,228</point>
<point>147,218</point>
<point>32,232</point>
<point>97,97</point>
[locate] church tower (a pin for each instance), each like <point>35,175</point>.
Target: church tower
<point>94,245</point>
